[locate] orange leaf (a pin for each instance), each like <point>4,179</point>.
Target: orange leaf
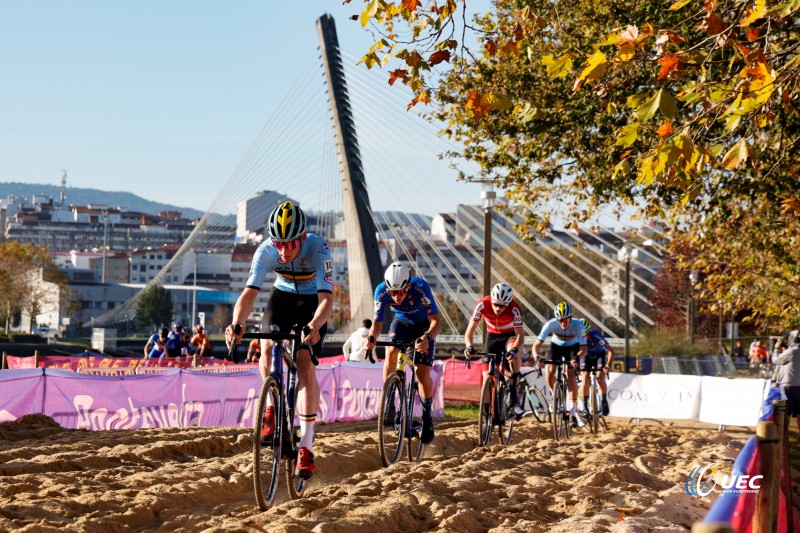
<point>398,74</point>
<point>510,49</point>
<point>790,205</point>
<point>665,129</point>
<point>451,44</point>
<point>712,24</point>
<point>490,47</point>
<point>423,98</point>
<point>752,33</point>
<point>669,63</point>
<point>411,5</point>
<point>478,103</point>
<point>439,56</point>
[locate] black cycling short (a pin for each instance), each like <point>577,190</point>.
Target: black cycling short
<point>400,331</point>
<point>563,353</point>
<point>595,362</point>
<point>287,312</point>
<point>496,343</point>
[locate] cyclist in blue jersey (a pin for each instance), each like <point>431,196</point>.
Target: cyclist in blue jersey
<point>302,295</point>
<point>597,350</point>
<point>415,317</point>
<point>567,342</point>
<point>156,344</point>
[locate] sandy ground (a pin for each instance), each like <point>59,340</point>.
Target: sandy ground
<point>627,480</point>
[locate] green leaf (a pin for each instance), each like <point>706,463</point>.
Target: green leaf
<point>635,100</point>
<point>368,12</point>
<point>628,135</point>
<point>717,149</point>
<point>623,167</point>
<point>502,102</point>
<point>661,101</point>
<point>595,66</point>
<point>557,67</point>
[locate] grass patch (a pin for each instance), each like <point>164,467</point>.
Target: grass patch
<point>470,412</point>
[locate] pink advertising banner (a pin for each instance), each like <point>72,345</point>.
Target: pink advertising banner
<point>74,362</point>
<point>182,398</point>
<point>119,402</point>
<point>21,392</point>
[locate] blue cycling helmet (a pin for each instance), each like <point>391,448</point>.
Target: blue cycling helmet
<point>177,325</point>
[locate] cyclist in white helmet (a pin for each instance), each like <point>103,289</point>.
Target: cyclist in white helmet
<point>567,342</point>
<point>415,317</point>
<point>506,335</point>
<point>302,295</point>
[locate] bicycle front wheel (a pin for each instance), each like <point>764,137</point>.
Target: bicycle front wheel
<point>559,413</point>
<point>267,449</point>
<point>594,410</point>
<point>414,427</point>
<point>486,413</point>
<point>391,420</point>
<point>505,417</point>
<point>597,411</point>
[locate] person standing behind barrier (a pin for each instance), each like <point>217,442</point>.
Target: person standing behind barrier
<point>201,340</point>
<point>416,317</point>
<point>567,342</point>
<point>253,352</point>
<point>506,335</point>
<point>156,344</point>
<point>788,364</point>
<point>354,349</point>
<point>174,342</point>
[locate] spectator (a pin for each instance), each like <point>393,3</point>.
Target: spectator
<point>354,349</point>
<point>738,353</point>
<point>201,340</point>
<point>254,352</point>
<point>788,363</point>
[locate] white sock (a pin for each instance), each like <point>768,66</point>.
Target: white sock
<point>307,430</point>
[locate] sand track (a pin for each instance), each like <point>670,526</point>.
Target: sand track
<point>630,479</point>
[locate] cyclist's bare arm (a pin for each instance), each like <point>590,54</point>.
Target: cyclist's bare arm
<point>434,328</point>
<point>242,310</point>
<point>535,351</point>
<point>609,356</point>
<point>519,340</point>
<point>321,316</point>
<point>147,348</point>
<point>374,333</point>
<point>470,332</point>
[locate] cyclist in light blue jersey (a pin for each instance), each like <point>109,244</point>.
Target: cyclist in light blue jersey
<point>302,295</point>
<point>566,342</point>
<point>415,317</point>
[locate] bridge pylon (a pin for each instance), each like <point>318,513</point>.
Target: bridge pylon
<point>363,258</point>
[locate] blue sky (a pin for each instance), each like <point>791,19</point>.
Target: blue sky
<point>159,98</point>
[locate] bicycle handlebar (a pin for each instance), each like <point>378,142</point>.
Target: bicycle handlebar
<point>275,336</point>
<point>392,344</point>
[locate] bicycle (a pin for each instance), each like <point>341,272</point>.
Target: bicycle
<point>597,421</point>
<point>532,399</point>
<point>396,420</point>
<point>562,428</point>
<point>283,443</point>
<point>495,404</point>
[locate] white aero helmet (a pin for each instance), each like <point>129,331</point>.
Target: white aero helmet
<point>397,276</point>
<point>502,294</point>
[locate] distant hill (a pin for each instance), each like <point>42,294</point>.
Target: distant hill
<point>79,196</point>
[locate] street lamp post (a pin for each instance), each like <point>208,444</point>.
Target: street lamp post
<point>194,291</point>
<point>694,276</point>
<point>487,202</point>
<point>105,245</point>
<point>626,253</point>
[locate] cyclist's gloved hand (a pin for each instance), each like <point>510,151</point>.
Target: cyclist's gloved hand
<point>469,351</point>
<point>511,354</point>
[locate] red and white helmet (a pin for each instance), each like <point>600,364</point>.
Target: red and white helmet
<point>502,294</point>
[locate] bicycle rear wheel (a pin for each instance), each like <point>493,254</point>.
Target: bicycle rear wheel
<point>602,427</point>
<point>539,405</point>
<point>414,433</point>
<point>391,420</point>
<point>594,409</point>
<point>486,413</point>
<point>505,415</point>
<point>267,454</point>
<point>558,412</point>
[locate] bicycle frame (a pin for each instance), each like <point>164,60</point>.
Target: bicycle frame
<point>407,428</point>
<point>492,410</point>
<point>561,422</point>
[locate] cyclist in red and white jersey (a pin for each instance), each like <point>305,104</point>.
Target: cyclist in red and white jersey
<point>506,336</point>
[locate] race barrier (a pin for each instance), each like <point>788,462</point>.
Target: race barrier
<point>714,400</point>
<point>756,493</point>
<point>74,362</point>
<point>174,397</point>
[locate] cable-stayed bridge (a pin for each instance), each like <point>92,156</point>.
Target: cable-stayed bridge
<point>342,144</point>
